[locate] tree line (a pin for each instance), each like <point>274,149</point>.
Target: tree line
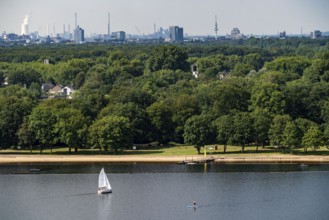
<point>132,94</point>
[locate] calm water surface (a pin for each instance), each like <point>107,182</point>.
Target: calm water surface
<point>164,192</point>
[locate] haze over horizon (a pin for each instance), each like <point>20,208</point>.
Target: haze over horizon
<point>196,17</point>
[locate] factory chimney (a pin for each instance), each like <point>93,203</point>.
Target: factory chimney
<point>108,25</point>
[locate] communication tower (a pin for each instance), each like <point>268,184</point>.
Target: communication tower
<point>216,27</point>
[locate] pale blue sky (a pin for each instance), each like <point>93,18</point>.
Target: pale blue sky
<point>196,16</point>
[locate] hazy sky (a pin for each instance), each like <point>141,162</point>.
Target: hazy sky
<point>196,16</point>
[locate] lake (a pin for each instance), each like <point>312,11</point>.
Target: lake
<point>277,191</point>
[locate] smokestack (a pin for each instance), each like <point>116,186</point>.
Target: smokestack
<point>76,20</point>
<point>47,29</point>
<point>155,28</point>
<point>108,25</point>
<point>25,25</point>
<point>54,31</point>
<point>63,28</point>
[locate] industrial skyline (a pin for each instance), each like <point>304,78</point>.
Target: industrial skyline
<point>142,16</point>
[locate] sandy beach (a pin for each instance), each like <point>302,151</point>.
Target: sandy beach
<point>247,158</point>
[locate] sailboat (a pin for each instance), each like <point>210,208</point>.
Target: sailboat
<point>104,186</point>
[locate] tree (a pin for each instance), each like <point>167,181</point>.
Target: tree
<point>2,78</point>
<point>326,135</point>
<point>168,57</point>
<point>25,135</point>
<point>140,123</point>
<point>262,120</point>
<point>161,118</point>
<point>42,123</point>
<point>255,60</point>
<point>242,131</point>
<point>303,125</point>
<point>277,129</point>
<point>227,98</point>
<point>35,89</point>
<point>289,64</point>
<point>71,127</point>
<point>224,130</point>
<point>290,136</point>
<point>184,106</point>
<point>268,96</point>
<point>198,131</point>
<point>15,103</point>
<point>24,76</point>
<point>89,102</point>
<point>111,132</point>
<point>313,138</point>
<point>319,70</point>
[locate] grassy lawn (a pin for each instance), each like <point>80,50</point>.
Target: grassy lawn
<point>172,151</point>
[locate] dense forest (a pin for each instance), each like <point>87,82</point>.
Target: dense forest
<point>256,91</point>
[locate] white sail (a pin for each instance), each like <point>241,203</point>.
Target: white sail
<point>103,182</point>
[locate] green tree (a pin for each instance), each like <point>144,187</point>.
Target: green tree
<point>255,60</point>
<point>168,57</point>
<point>184,106</point>
<point>161,118</point>
<point>2,78</point>
<point>277,129</point>
<point>24,76</point>
<point>268,96</point>
<point>111,132</point>
<point>313,138</point>
<point>319,70</point>
<point>140,123</point>
<point>242,131</point>
<point>15,103</point>
<point>224,130</point>
<point>25,135</point>
<point>198,131</point>
<point>262,120</point>
<point>71,127</point>
<point>290,136</point>
<point>35,89</point>
<point>292,64</point>
<point>42,124</point>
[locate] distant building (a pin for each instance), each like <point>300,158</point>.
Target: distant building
<point>195,70</point>
<point>176,34</point>
<point>283,34</point>
<point>79,35</point>
<point>67,91</point>
<point>121,35</point>
<point>235,34</point>
<point>316,34</point>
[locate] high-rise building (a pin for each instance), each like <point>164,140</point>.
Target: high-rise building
<point>176,34</point>
<point>121,35</point>
<point>79,34</point>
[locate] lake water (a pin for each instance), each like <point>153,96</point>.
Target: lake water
<point>142,192</point>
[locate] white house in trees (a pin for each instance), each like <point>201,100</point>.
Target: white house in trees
<point>67,90</point>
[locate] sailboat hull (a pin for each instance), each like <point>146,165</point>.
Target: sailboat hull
<point>104,191</point>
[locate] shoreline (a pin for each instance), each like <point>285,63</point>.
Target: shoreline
<point>12,159</point>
